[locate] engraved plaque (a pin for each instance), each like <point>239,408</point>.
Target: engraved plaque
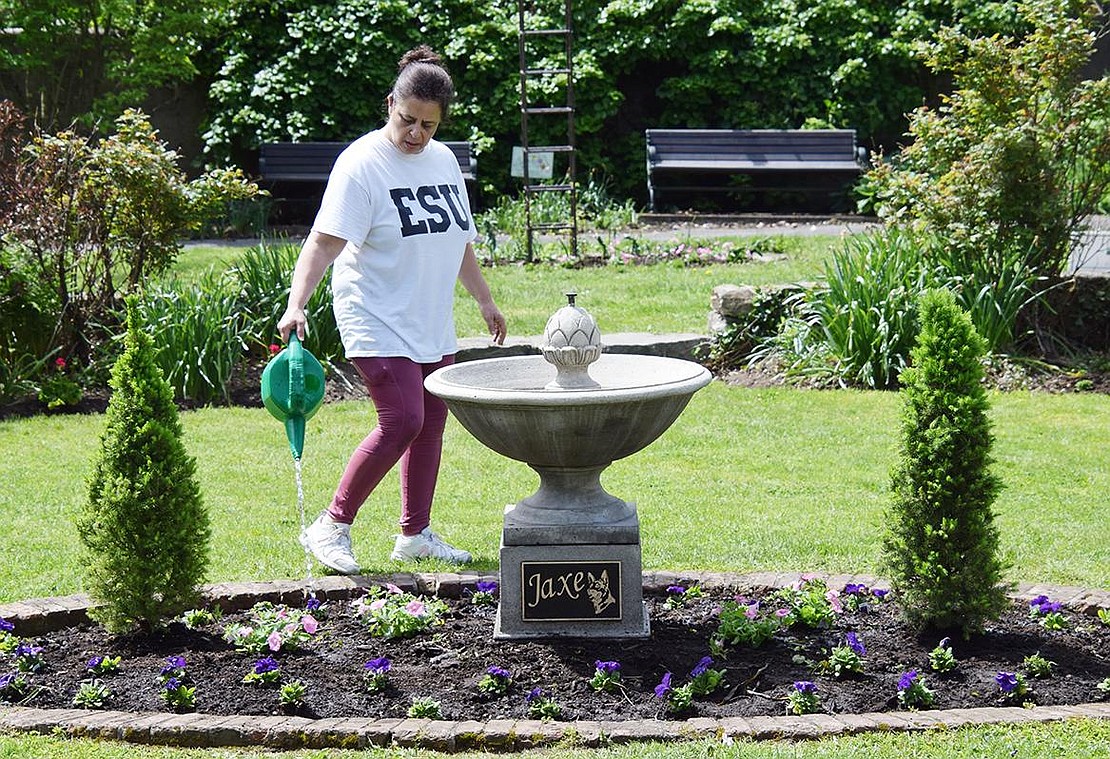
<point>578,591</point>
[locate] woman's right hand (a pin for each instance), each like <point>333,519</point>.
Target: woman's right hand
<point>292,319</point>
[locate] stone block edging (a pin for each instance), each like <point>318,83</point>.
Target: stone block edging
<point>198,730</point>
<point>36,616</point>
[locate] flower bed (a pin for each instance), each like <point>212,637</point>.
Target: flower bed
<point>851,654</point>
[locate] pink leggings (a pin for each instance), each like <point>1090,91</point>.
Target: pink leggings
<point>410,429</point>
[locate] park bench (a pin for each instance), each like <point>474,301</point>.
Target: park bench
<point>311,162</point>
<point>801,160</point>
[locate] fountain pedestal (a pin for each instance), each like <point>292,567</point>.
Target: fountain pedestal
<point>570,552</point>
<point>570,561</point>
<point>588,586</point>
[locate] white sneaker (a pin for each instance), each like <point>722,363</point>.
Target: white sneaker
<point>427,545</point>
<point>330,542</point>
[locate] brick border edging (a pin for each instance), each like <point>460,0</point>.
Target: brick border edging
<point>36,616</point>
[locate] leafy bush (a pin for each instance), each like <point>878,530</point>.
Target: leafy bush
<point>89,219</point>
<point>858,326</point>
<point>73,59</point>
<point>199,334</point>
<point>1014,160</point>
<point>941,546</point>
<point>26,327</point>
<point>144,529</point>
<point>262,277</point>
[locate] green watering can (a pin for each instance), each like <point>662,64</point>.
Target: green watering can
<point>293,390</point>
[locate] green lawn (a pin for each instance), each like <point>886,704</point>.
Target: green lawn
<point>656,299</point>
<point>745,480</point>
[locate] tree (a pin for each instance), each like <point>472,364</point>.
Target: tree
<point>941,546</point>
<point>297,70</point>
<point>62,60</point>
<point>144,528</point>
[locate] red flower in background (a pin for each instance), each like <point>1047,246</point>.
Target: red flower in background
<point>274,348</point>
<point>60,364</point>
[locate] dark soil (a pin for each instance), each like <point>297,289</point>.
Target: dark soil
<point>446,664</point>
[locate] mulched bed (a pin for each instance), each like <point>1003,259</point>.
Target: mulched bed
<point>447,663</point>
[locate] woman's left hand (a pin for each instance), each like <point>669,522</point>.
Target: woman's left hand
<point>495,321</point>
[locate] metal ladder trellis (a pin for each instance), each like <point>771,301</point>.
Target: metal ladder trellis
<point>529,16</point>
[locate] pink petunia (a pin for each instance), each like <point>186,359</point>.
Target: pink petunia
<point>834,601</point>
<point>752,611</point>
<point>376,604</point>
<point>309,623</point>
<point>393,589</point>
<point>415,608</point>
<point>780,613</point>
<point>274,641</point>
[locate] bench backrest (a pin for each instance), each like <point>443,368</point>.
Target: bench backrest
<point>755,144</point>
<point>312,161</point>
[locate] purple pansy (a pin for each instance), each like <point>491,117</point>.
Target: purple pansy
<point>806,687</point>
<point>702,666</point>
<point>907,679</point>
<point>1007,681</point>
<point>267,664</point>
<point>500,672</point>
<point>608,667</point>
<point>378,666</point>
<point>855,643</point>
<point>1042,605</point>
<point>663,689</point>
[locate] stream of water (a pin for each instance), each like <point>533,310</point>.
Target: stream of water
<point>310,582</point>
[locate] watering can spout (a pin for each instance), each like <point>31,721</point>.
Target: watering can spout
<point>293,389</point>
<point>294,430</point>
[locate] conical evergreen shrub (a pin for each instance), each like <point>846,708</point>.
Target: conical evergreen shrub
<point>144,529</point>
<point>942,548</point>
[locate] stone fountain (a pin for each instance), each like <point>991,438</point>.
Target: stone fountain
<point>570,552</point>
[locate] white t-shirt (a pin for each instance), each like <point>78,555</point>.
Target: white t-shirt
<point>406,219</point>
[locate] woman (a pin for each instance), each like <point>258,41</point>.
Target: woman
<point>395,226</point>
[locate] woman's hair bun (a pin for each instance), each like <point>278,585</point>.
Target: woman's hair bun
<point>420,54</point>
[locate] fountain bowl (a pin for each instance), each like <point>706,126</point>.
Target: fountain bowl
<point>507,405</point>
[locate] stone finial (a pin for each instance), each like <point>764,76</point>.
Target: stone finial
<point>571,341</point>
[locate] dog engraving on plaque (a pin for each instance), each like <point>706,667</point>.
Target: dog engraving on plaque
<point>570,591</point>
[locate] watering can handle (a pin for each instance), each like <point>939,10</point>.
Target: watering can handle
<point>296,376</point>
